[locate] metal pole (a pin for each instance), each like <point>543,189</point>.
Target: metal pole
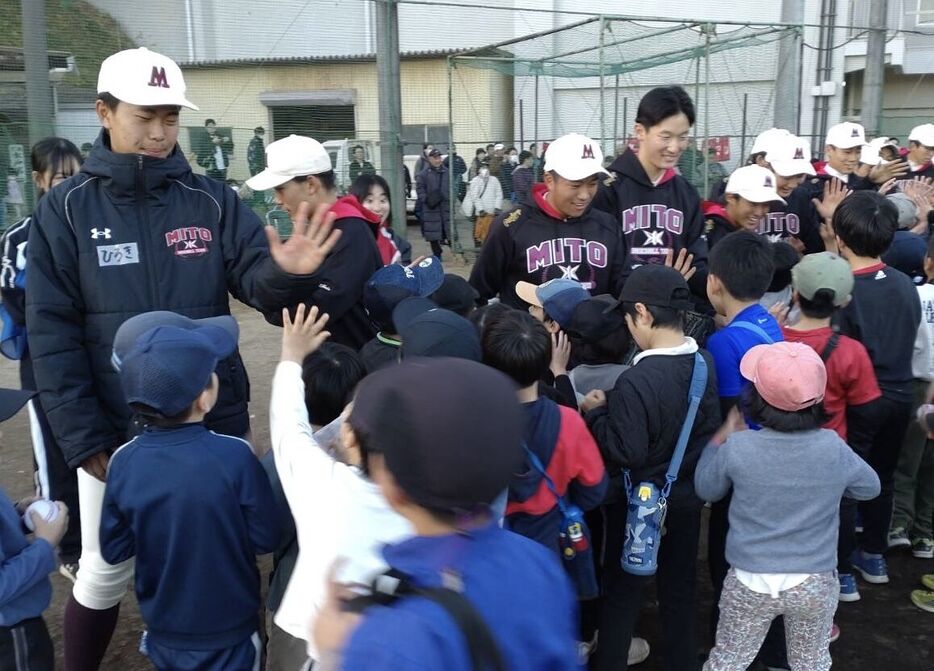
<point>602,91</point>
<point>615,115</point>
<point>788,74</point>
<point>874,77</point>
<point>535,135</point>
<point>626,118</point>
<point>707,30</point>
<point>455,238</point>
<point>521,126</point>
<point>742,139</point>
<point>390,106</point>
<point>36,61</point>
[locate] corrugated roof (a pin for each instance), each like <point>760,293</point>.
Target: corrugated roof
<point>299,60</point>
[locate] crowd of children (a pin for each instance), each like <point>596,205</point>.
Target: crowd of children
<point>459,486</point>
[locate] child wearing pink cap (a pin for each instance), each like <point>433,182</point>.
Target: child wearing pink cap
<point>787,481</point>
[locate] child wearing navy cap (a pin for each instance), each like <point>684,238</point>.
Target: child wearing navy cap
<point>179,496</point>
<point>463,593</point>
<point>25,590</point>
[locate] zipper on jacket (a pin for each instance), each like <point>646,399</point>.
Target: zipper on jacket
<point>142,216</point>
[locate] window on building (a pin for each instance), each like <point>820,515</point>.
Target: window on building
<point>322,122</point>
<point>925,12</point>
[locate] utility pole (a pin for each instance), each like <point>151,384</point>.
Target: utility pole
<point>36,59</point>
<point>874,75</point>
<point>788,76</point>
<point>390,106</point>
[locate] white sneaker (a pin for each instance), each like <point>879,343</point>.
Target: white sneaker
<point>586,648</point>
<point>638,651</point>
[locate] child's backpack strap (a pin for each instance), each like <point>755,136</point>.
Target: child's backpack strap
<point>830,346</point>
<point>755,328</point>
<point>695,395</point>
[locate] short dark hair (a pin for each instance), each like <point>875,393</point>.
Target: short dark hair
<point>524,156</point>
<point>533,146</point>
<point>109,100</point>
<point>331,374</point>
<point>53,153</point>
<point>364,183</point>
<point>480,150</point>
<point>785,258</point>
<point>328,179</point>
<point>518,345</point>
<point>86,146</point>
<point>662,317</point>
<point>356,147</point>
<point>663,102</point>
<point>259,129</point>
<point>743,261</point>
<point>487,314</point>
<point>819,306</point>
<point>763,414</point>
<point>209,121</point>
<point>866,222</point>
<point>509,149</point>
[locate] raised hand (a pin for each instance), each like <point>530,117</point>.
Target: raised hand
<point>834,193</point>
<point>882,173</point>
<point>304,335</point>
<point>312,240</point>
<point>684,264</point>
<point>560,353</point>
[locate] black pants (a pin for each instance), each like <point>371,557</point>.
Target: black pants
<point>773,652</point>
<point>676,580</point>
<point>26,646</point>
<point>54,479</point>
<point>435,247</point>
<point>888,434</point>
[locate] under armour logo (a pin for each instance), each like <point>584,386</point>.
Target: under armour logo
<point>97,233</point>
<point>799,154</point>
<point>654,237</point>
<point>158,78</point>
<point>588,152</point>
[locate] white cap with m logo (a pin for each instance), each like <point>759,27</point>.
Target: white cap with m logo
<point>143,77</point>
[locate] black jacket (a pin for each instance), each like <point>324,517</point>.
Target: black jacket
<point>528,244</point>
<point>655,218</point>
<point>126,235</point>
<point>639,425</point>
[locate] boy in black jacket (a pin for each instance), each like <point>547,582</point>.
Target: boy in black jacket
<point>558,235</point>
<point>884,315</point>
<point>658,209</point>
<point>636,427</point>
<point>211,499</point>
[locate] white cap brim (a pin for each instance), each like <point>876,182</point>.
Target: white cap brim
<point>923,138</point>
<point>847,143</point>
<point>793,167</point>
<point>267,179</point>
<point>165,101</point>
<point>578,172</point>
<point>526,291</point>
<point>760,195</point>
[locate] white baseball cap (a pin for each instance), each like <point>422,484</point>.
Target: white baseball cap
<point>846,135</point>
<point>575,156</point>
<point>143,77</point>
<point>869,153</point>
<point>292,156</point>
<point>765,139</point>
<point>789,155</point>
<point>754,183</point>
<point>923,134</point>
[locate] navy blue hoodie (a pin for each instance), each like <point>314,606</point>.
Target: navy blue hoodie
<point>195,531</point>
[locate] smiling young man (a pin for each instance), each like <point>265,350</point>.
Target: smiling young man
<point>749,194</point>
<point>921,151</point>
<point>658,209</point>
<point>557,234</point>
<point>134,231</point>
<point>300,171</point>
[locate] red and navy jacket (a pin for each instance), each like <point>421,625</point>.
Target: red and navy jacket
<point>655,218</point>
<point>780,223</point>
<point>717,224</point>
<point>926,170</point>
<point>534,243</point>
<point>559,438</point>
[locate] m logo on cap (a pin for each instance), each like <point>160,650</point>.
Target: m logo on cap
<point>768,181</point>
<point>158,78</point>
<point>588,152</point>
<point>854,132</point>
<point>799,154</point>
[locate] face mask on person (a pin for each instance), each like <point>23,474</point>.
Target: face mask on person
<point>484,172</point>
<point>514,159</point>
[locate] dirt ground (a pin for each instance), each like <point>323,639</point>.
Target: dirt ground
<point>883,631</point>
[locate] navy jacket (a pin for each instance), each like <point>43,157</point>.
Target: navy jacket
<point>25,590</point>
<point>195,530</point>
<point>126,235</point>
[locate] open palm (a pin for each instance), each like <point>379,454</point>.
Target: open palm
<point>313,238</point>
